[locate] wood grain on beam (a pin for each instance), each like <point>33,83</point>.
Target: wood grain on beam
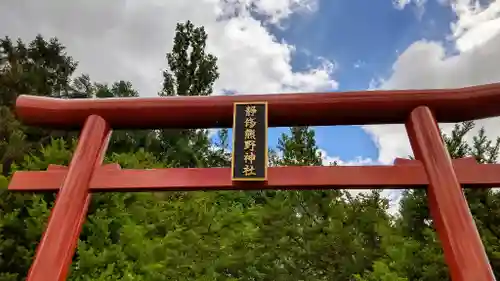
<point>352,177</point>
<point>310,109</point>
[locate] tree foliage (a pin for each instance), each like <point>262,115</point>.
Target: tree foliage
<point>191,72</point>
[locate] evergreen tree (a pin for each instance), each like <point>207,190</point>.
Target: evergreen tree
<point>191,72</point>
<point>122,141</point>
<point>299,149</point>
<point>327,234</point>
<point>39,68</point>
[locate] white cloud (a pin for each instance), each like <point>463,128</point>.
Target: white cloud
<point>275,11</point>
<point>358,161</point>
<point>418,5</point>
<point>425,65</point>
<point>392,195</point>
<point>128,40</point>
<point>475,24</point>
<point>359,64</point>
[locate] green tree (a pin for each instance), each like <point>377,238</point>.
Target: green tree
<point>122,141</point>
<point>191,72</point>
<point>299,148</point>
<point>317,234</point>
<point>41,68</point>
<point>12,140</point>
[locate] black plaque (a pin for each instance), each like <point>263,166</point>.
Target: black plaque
<point>249,161</point>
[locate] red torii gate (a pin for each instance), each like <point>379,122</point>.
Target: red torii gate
<point>418,109</point>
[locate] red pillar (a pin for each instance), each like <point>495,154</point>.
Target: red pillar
<point>463,250</point>
<point>57,247</point>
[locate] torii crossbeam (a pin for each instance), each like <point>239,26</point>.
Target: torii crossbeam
<point>418,109</point>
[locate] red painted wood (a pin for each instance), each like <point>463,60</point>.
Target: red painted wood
<point>460,162</point>
<point>463,249</point>
<point>56,249</point>
<point>107,167</point>
<point>312,109</point>
<point>408,175</point>
<point>53,167</point>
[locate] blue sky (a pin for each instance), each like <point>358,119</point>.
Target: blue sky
<point>363,41</point>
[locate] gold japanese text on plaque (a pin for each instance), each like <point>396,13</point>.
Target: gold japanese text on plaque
<point>249,161</point>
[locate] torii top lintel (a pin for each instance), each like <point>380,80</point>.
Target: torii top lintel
<point>315,109</point>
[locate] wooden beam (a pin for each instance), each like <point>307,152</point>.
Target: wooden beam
<point>56,249</point>
<point>463,250</point>
<point>459,161</point>
<point>106,167</point>
<point>311,109</point>
<point>400,176</point>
